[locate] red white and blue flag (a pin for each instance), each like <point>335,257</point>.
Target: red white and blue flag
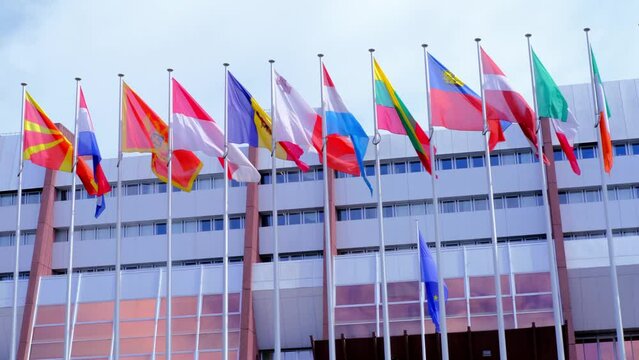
<point>88,146</point>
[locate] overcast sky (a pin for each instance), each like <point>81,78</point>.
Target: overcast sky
<point>48,43</point>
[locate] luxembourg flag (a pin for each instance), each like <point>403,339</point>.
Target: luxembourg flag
<point>195,130</point>
<point>347,140</point>
<point>88,146</point>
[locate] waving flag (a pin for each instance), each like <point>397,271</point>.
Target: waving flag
<point>392,115</point>
<point>250,124</point>
<point>552,104</point>
<point>46,146</point>
<point>194,129</point>
<point>346,139</point>
<point>430,279</point>
<point>144,131</point>
<point>456,106</point>
<point>506,102</point>
<point>88,146</point>
<point>603,110</point>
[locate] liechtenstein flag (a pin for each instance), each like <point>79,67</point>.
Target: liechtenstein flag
<point>88,146</point>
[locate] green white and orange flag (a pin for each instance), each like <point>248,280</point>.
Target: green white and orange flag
<point>144,131</point>
<point>45,145</point>
<point>392,115</point>
<point>603,111</point>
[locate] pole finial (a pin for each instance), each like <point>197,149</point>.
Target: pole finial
<point>424,46</point>
<point>78,79</point>
<point>169,70</point>
<point>478,39</point>
<point>121,75</point>
<point>528,35</point>
<point>271,61</point>
<point>587,29</point>
<point>23,84</point>
<point>320,55</point>
<point>226,64</point>
<point>371,50</point>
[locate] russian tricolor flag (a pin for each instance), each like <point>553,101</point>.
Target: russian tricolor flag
<point>88,146</point>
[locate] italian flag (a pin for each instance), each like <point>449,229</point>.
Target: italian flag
<point>551,104</point>
<point>603,114</point>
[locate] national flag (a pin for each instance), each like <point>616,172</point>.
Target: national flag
<point>551,104</point>
<point>144,131</point>
<point>430,280</point>
<point>603,111</point>
<point>88,146</point>
<point>508,104</point>
<point>393,116</point>
<point>456,106</point>
<point>346,139</point>
<point>195,130</point>
<point>250,124</point>
<point>46,146</point>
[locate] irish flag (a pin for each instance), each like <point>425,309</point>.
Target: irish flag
<point>603,112</point>
<point>552,105</point>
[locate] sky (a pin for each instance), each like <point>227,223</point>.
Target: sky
<point>48,43</point>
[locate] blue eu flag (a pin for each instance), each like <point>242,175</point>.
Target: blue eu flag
<point>429,277</point>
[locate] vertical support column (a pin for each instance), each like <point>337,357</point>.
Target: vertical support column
<point>558,235</point>
<point>248,337</point>
<point>332,217</point>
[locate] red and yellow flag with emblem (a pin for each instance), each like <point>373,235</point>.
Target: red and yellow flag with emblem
<point>45,145</point>
<point>144,131</point>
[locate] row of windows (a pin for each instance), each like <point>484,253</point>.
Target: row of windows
<point>479,203</point>
<point>9,238</point>
<point>292,176</point>
<point>22,275</point>
<point>293,218</point>
<point>151,228</point>
<point>620,192</point>
<point>28,197</point>
<point>600,234</point>
<point>153,265</point>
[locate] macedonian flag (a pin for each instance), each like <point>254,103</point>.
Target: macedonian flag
<point>144,131</point>
<point>45,145</point>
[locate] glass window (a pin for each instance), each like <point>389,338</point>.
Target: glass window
<point>465,205</point>
<point>494,160</point>
<point>635,148</point>
<point>356,214</point>
<point>399,167</point>
<point>308,176</point>
<point>28,238</point>
<point>175,189</point>
<point>415,166</point>
<point>445,164</point>
<point>205,184</point>
<point>132,189</point>
<point>499,202</point>
<point>146,188</point>
<point>508,159</point>
<point>387,211</point>
<point>205,225</point>
<point>160,228</point>
<point>478,161</point>
<point>384,169</point>
<point>320,174</point>
<point>370,213</point>
<point>88,234</point>
<point>342,214</point>
<point>402,210</point>
<point>525,157</point>
<point>320,215</point>
<point>131,230</point>
<point>293,176</point>
<point>481,204</point>
<point>461,163</point>
<point>190,226</point>
<point>60,236</point>
<point>310,217</point>
<point>624,193</point>
<point>558,154</point>
<point>281,219</point>
<point>592,195</point>
<point>369,170</point>
<point>612,194</point>
<point>621,150</point>
<point>418,209</point>
<point>266,178</point>
<point>448,206</point>
<point>236,223</point>
<point>575,197</point>
<point>294,218</point>
<point>636,192</point>
<point>218,224</point>
<point>234,183</point>
<point>103,233</point>
<point>178,227</point>
<point>528,200</point>
<point>563,197</point>
<point>280,177</point>
<point>147,229</point>
<point>7,199</point>
<point>161,187</point>
<point>588,152</point>
<point>266,220</point>
<point>512,201</point>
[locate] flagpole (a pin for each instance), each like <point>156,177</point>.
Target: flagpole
<point>493,225</point>
<point>277,346</point>
<point>382,245</point>
<point>169,220</point>
<point>441,299</point>
<point>16,268</point>
<point>556,299</point>
<point>328,255</point>
<point>67,317</point>
<point>422,328</point>
<point>621,350</point>
<point>225,259</point>
<point>118,236</point>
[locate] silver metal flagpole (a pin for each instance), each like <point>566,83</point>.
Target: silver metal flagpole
<point>621,350</point>
<point>328,256</point>
<point>556,299</point>
<point>422,327</point>
<point>438,237</point>
<point>118,236</point>
<point>225,258</point>
<point>277,346</point>
<point>74,165</point>
<point>169,225</point>
<point>16,268</point>
<point>493,225</point>
<point>380,216</point>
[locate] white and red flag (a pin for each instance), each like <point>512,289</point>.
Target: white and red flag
<point>195,130</point>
